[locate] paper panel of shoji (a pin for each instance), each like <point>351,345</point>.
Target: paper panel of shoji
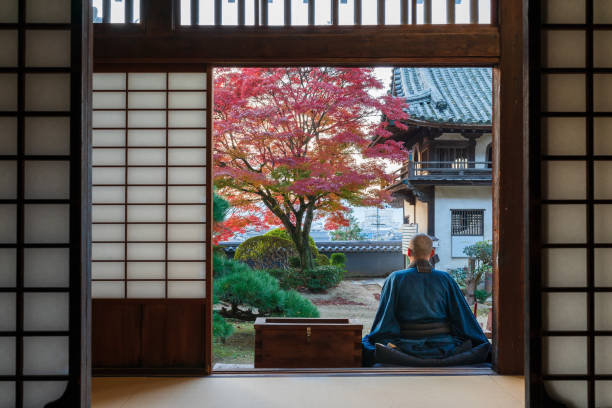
<point>41,115</point>
<point>149,185</point>
<point>573,87</point>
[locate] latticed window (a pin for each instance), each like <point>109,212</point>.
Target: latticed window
<point>467,222</point>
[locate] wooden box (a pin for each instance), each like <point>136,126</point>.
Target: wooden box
<point>307,343</point>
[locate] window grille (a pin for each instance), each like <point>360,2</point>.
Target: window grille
<point>571,234</point>
<point>41,114</point>
<point>332,12</point>
<point>115,11</point>
<point>467,222</point>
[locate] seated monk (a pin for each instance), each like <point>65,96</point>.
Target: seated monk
<point>423,319</point>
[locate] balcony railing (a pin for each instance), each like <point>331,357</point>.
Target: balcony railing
<point>227,13</point>
<point>446,170</point>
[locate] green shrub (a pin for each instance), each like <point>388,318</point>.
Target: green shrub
<point>290,278</point>
<point>218,250</point>
<point>322,277</point>
<point>223,266</point>
<point>295,262</point>
<point>295,305</point>
<point>338,259</point>
<point>265,252</point>
<point>322,260</point>
<point>481,295</point>
<point>282,233</point>
<point>220,208</point>
<point>460,276</point>
<point>250,288</point>
<point>221,328</point>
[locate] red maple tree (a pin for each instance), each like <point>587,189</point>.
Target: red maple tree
<point>292,144</point>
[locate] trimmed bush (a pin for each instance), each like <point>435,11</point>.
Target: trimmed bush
<point>221,328</point>
<point>322,278</point>
<point>295,305</point>
<point>338,259</point>
<point>322,260</point>
<point>250,288</point>
<point>265,252</point>
<point>223,266</point>
<point>289,278</point>
<point>282,233</point>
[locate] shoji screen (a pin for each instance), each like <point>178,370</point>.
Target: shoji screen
<point>43,103</point>
<point>150,222</point>
<point>571,271</point>
<point>149,185</point>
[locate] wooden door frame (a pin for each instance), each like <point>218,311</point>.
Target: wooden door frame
<point>158,42</point>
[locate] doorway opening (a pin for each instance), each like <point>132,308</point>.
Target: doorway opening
<point>422,135</point>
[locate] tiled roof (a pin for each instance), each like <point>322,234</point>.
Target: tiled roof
<point>446,95</point>
<point>339,246</point>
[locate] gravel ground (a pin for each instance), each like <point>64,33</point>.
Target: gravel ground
<point>351,299</point>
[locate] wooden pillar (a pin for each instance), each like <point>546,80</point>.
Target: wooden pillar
<point>509,184</point>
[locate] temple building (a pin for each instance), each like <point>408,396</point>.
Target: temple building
<point>445,185</point>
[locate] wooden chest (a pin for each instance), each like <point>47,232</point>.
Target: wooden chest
<point>307,343</point>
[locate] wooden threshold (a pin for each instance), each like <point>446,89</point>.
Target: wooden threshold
<point>277,372</point>
<point>367,371</point>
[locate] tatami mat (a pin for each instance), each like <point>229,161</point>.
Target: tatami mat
<point>309,392</point>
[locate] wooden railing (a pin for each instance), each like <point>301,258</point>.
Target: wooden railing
<point>446,170</point>
<point>291,13</point>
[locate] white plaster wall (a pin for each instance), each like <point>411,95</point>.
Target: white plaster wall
<point>481,149</point>
<point>420,216</point>
<point>409,211</point>
<point>458,198</point>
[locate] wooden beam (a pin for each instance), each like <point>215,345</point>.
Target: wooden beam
<point>195,12</point>
<point>157,19</point>
<point>241,12</point>
<point>427,11</point>
<point>404,11</point>
<point>128,11</point>
<point>509,185</point>
<point>335,12</point>
<point>421,45</point>
<point>264,12</point>
<point>450,11</point>
<point>218,13</point>
<point>311,12</point>
<point>106,11</point>
<point>288,13</point>
<point>474,12</point>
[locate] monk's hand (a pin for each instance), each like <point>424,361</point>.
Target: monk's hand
<point>393,346</point>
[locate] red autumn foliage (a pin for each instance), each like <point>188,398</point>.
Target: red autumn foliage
<point>292,144</point>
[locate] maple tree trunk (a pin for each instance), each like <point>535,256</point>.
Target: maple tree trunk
<point>305,256</point>
<point>300,235</point>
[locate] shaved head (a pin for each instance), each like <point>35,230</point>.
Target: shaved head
<point>421,246</point>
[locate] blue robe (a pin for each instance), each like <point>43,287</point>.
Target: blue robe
<point>410,296</point>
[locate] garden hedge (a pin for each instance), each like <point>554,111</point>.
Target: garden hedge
<point>265,252</point>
